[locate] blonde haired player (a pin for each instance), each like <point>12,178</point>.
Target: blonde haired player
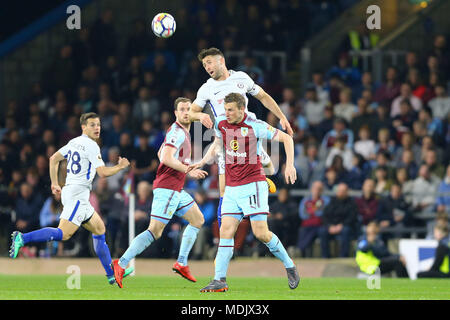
<point>246,191</point>
<point>213,92</point>
<point>83,162</point>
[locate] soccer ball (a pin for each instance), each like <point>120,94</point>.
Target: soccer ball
<point>163,25</point>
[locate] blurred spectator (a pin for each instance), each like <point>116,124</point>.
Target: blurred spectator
<point>411,62</point>
<point>407,143</point>
<point>358,172</point>
<point>384,142</point>
<point>358,39</point>
<point>311,211</point>
<point>433,125</point>
<point>126,146</point>
<point>61,74</point>
<point>339,219</point>
<point>313,107</point>
<point>434,166</point>
<point>330,179</point>
<point>368,203</point>
<point>309,165</point>
<point>250,67</point>
<point>139,42</point>
<point>405,94</point>
<point>424,190</point>
<point>365,146</point>
<point>389,89</point>
<point>339,131</point>
<point>289,102</point>
<point>440,267</point>
<point>380,119</point>
<point>345,108</point>
<point>146,107</point>
<point>283,218</point>
<point>393,210</point>
<point>103,37</point>
<point>326,124</point>
<point>403,121</point>
<point>372,253</point>
<point>443,199</point>
<point>408,163</point>
<point>28,206</point>
<point>318,82</point>
<point>382,181</point>
<point>49,214</point>
<point>343,151</point>
<point>362,117</point>
<point>111,137</point>
<point>365,85</point>
<point>349,74</point>
<point>441,219</point>
<point>204,237</point>
<point>144,161</point>
<point>440,105</point>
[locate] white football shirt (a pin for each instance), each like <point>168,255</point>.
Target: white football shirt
<point>213,92</point>
<point>83,158</point>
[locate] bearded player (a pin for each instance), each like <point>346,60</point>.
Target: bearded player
<point>169,198</point>
<point>213,92</point>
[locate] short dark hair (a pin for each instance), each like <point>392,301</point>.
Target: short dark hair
<point>235,97</point>
<point>209,52</point>
<point>85,116</point>
<point>179,100</point>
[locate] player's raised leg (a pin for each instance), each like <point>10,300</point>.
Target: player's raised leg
<point>261,231</point>
<point>195,218</point>
<point>64,231</point>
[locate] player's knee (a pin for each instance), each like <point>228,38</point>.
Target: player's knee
<point>262,235</point>
<point>99,230</point>
<point>67,235</point>
<point>156,232</point>
<point>199,221</point>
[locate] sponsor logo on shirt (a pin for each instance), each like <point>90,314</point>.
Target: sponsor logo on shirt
<point>240,85</point>
<point>236,154</point>
<point>234,145</point>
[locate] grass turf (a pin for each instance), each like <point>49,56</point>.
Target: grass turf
<point>175,288</point>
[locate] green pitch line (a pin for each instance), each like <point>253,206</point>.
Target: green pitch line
<point>174,288</point>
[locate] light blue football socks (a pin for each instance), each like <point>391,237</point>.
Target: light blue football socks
<point>276,247</point>
<point>187,241</point>
<point>223,257</point>
<point>139,244</point>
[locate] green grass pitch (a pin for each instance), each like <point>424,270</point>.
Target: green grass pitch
<point>175,288</point>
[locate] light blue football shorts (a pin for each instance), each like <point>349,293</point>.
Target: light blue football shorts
<point>250,200</point>
<point>167,203</point>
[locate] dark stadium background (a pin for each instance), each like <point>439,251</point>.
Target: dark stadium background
<point>307,27</point>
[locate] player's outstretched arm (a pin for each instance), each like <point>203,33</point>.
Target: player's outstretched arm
<point>196,114</point>
<point>210,154</point>
<point>105,171</point>
<point>55,159</point>
<point>290,173</point>
<point>273,107</point>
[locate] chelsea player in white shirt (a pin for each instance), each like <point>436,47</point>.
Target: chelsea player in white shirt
<point>213,92</point>
<point>83,162</point>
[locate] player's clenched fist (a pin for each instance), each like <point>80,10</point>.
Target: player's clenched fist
<point>56,189</point>
<point>123,162</point>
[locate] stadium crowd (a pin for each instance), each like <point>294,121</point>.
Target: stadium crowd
<point>388,140</point>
